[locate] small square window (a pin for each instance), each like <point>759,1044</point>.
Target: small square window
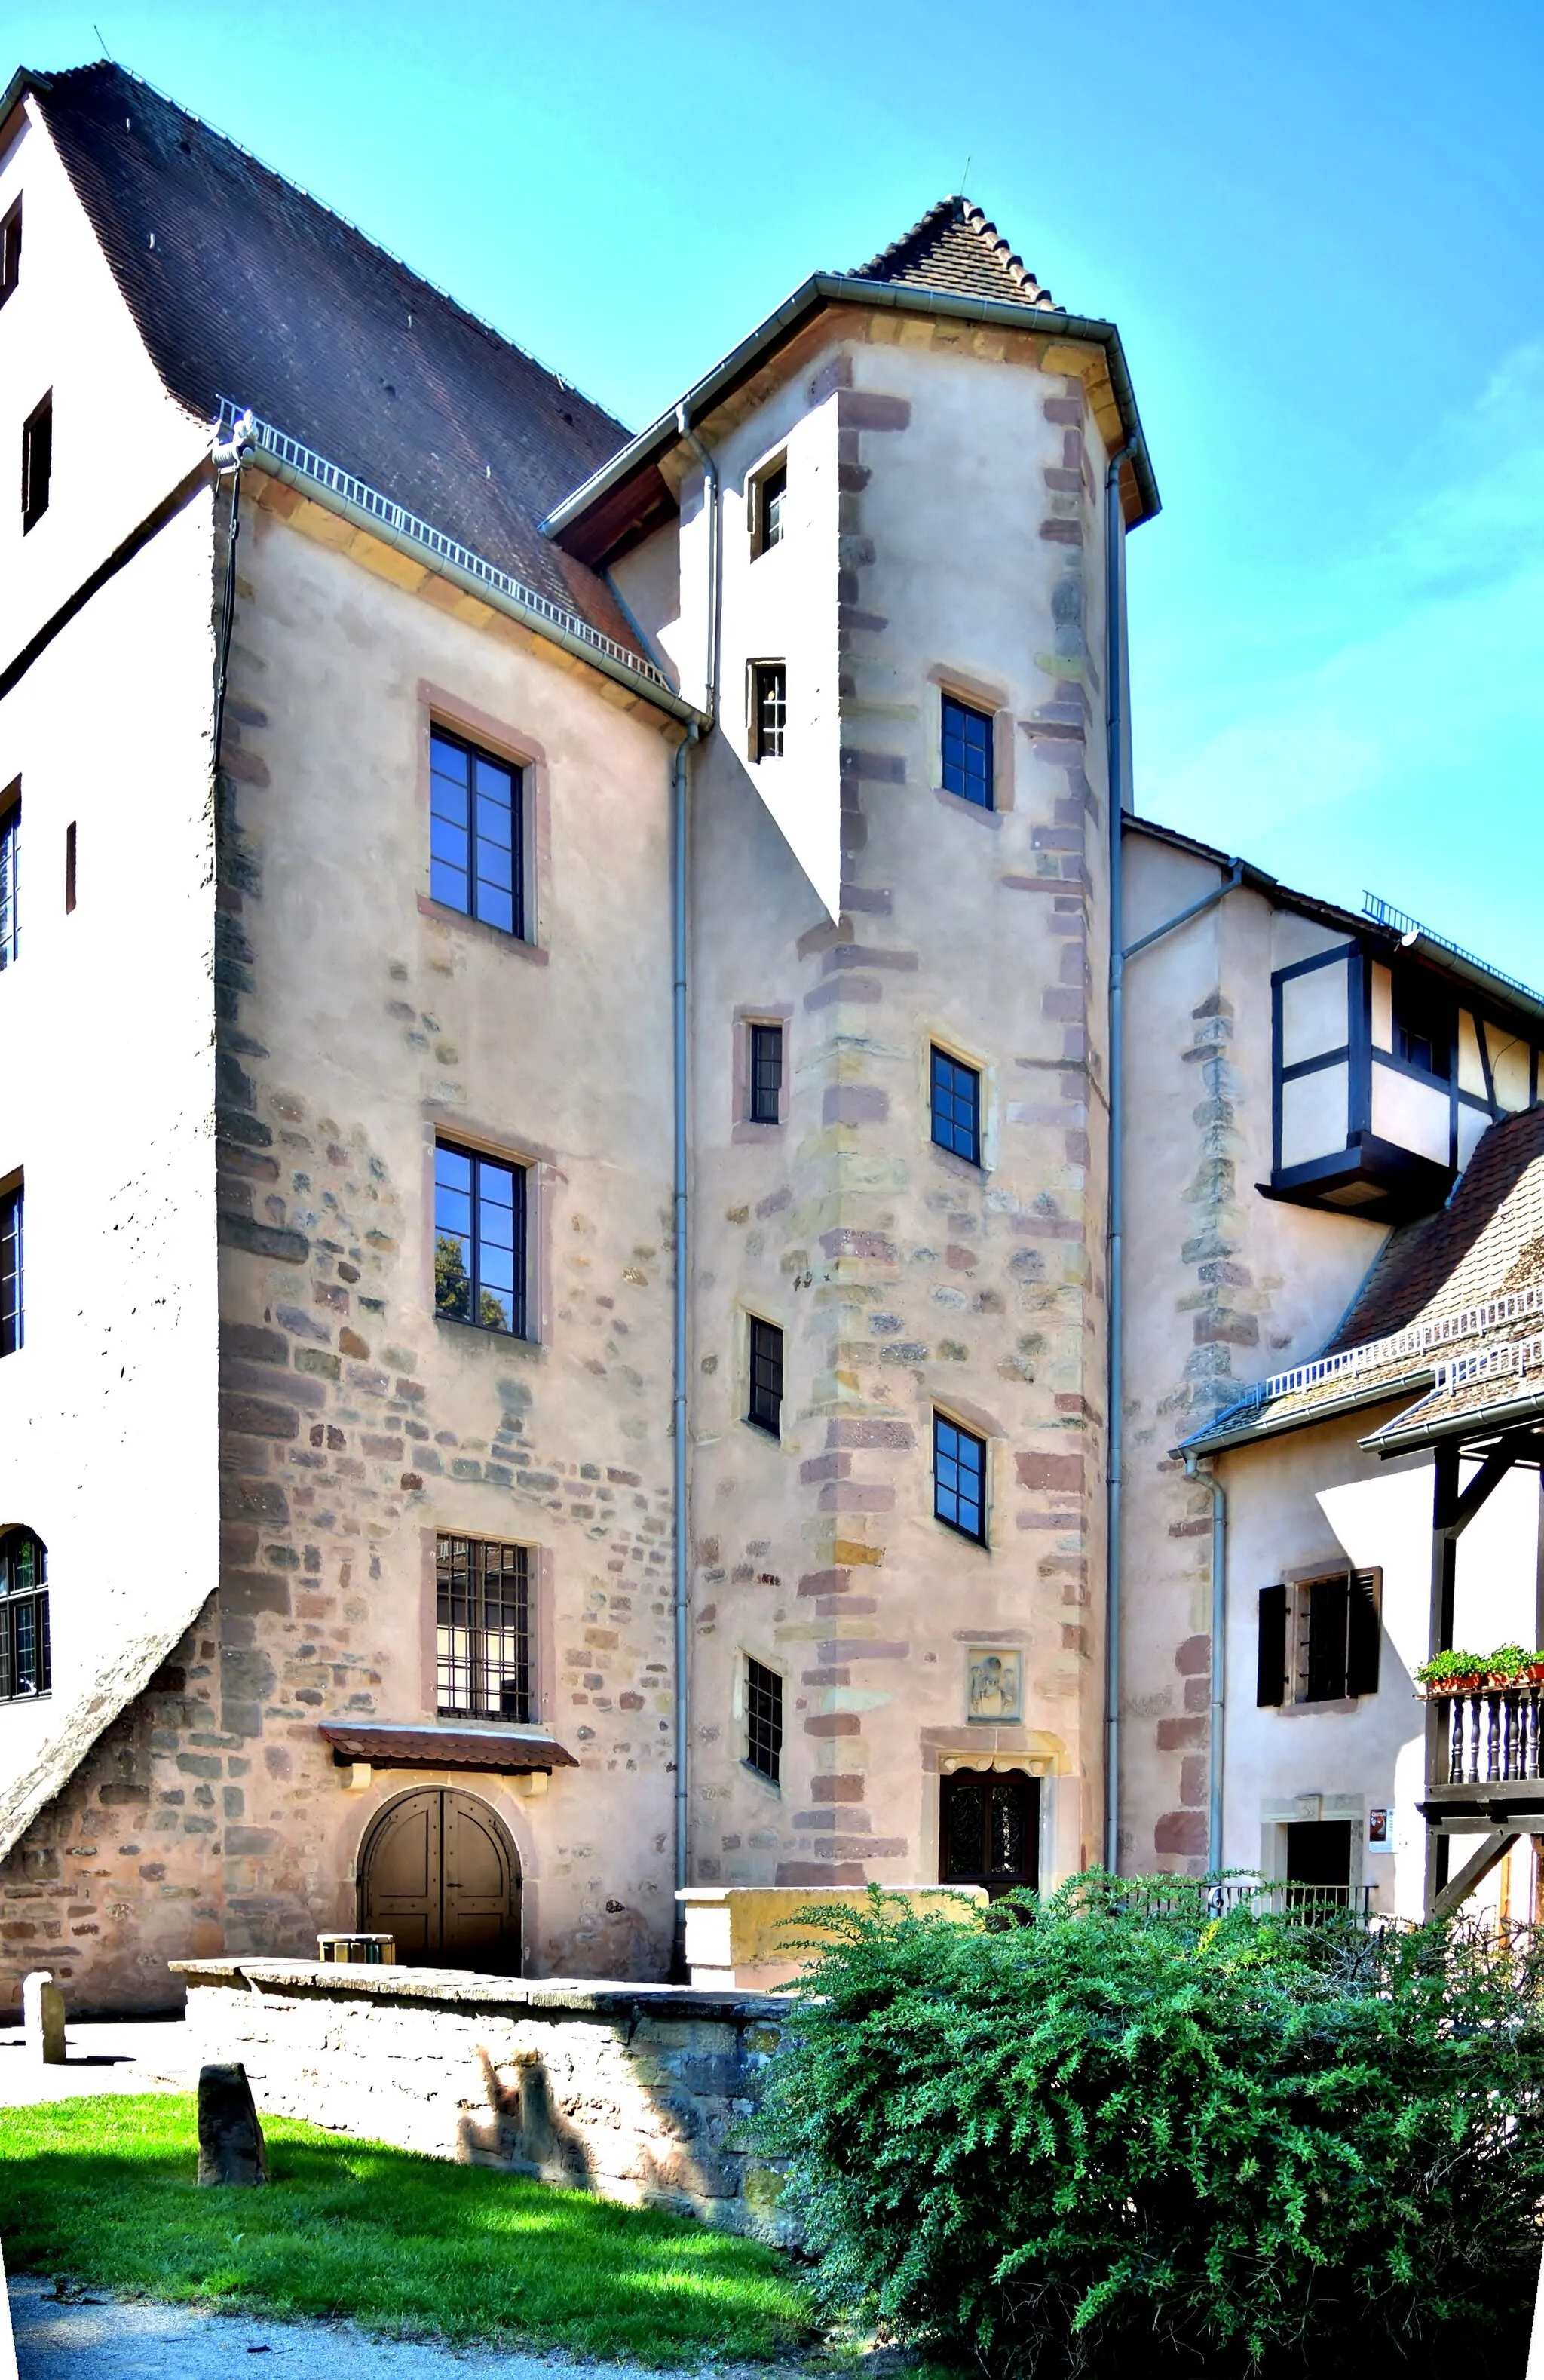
<point>12,1304</point>
<point>37,463</point>
<point>959,1478</point>
<point>954,1095</point>
<point>766,1074</point>
<point>967,752</point>
<point>766,1406</point>
<point>479,1240</point>
<point>768,507</point>
<point>10,251</point>
<point>477,840</point>
<point>768,710</point>
<point>764,1720</point>
<point>1423,1023</point>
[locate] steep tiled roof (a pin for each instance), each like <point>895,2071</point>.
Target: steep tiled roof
<point>243,286</point>
<point>1466,1282</point>
<point>955,248</point>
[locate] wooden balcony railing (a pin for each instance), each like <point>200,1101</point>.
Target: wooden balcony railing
<point>1490,1737</point>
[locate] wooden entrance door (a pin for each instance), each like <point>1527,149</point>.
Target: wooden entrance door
<point>439,1873</point>
<point>989,1829</point>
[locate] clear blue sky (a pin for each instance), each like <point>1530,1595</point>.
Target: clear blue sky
<point>1320,228</point>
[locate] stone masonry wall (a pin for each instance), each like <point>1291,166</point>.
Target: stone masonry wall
<point>641,2096</point>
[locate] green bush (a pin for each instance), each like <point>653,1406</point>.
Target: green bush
<point>1118,2135</point>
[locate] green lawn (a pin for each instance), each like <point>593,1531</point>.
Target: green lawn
<point>102,2189</point>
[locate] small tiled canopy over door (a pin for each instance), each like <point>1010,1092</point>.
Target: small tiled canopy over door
<point>989,1829</point>
<point>440,1874</point>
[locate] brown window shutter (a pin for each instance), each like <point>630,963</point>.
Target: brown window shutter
<point>1270,1683</point>
<point>1364,1631</point>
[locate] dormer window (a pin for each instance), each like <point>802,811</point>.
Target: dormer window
<point>768,505</point>
<point>1384,1082</point>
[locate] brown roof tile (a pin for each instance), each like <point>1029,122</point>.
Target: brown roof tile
<point>256,292</point>
<point>954,248</point>
<point>511,1750</point>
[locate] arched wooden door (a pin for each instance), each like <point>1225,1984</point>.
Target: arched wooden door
<point>439,1872</point>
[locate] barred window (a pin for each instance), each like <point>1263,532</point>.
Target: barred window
<point>959,1477</point>
<point>483,1640</point>
<point>967,753</point>
<point>479,1240</point>
<point>12,1304</point>
<point>11,852</point>
<point>765,1407</point>
<point>764,1720</point>
<point>24,1667</point>
<point>768,710</point>
<point>954,1094</point>
<point>476,838</point>
<point>767,1073</point>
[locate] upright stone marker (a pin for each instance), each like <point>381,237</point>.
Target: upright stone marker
<point>230,2146</point>
<point>43,2017</point>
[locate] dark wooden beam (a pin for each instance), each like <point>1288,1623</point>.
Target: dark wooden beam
<point>1489,1477</point>
<point>1475,1870</point>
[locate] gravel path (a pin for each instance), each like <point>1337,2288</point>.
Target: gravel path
<point>99,2338</point>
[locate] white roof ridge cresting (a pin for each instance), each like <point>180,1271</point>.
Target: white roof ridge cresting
<point>1416,1339</point>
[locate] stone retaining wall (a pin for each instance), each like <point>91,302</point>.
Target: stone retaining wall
<point>639,2092</point>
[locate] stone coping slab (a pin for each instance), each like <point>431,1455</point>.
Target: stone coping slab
<point>458,1987</point>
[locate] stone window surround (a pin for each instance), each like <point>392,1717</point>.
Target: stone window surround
<point>744,1652</point>
<point>742,1317</point>
<point>966,1414</point>
<point>441,707</point>
<point>930,1038</point>
<point>451,1125</point>
<point>770,1012</point>
<point>1292,1706</point>
<point>759,473</point>
<point>543,1612</point>
<point>981,694</point>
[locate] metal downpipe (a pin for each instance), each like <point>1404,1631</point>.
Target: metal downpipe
<point>1115,1315</point>
<point>1219,1661</point>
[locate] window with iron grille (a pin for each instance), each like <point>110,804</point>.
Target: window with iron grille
<point>1319,1639</point>
<point>479,1240</point>
<point>767,1073</point>
<point>476,842</point>
<point>767,1376</point>
<point>483,1629</point>
<point>25,1667</point>
<point>768,708</point>
<point>37,463</point>
<point>12,1304</point>
<point>764,1720</point>
<point>959,1478</point>
<point>967,752</point>
<point>10,853</point>
<point>955,1098</point>
<point>10,251</point>
<point>768,506</point>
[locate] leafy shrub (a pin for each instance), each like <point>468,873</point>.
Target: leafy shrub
<point>1118,2135</point>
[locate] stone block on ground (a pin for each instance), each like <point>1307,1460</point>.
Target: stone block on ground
<point>43,2017</point>
<point>231,2147</point>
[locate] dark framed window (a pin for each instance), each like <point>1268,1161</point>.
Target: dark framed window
<point>37,463</point>
<point>483,1629</point>
<point>1425,1017</point>
<point>967,752</point>
<point>766,1406</point>
<point>959,1478</point>
<point>24,1667</point>
<point>764,1720</point>
<point>954,1100</point>
<point>11,854</point>
<point>768,507</point>
<point>768,710</point>
<point>989,1830</point>
<point>69,867</point>
<point>767,1073</point>
<point>10,251</point>
<point>476,833</point>
<point>479,1240</point>
<point>1320,1640</point>
<point>12,1303</point>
